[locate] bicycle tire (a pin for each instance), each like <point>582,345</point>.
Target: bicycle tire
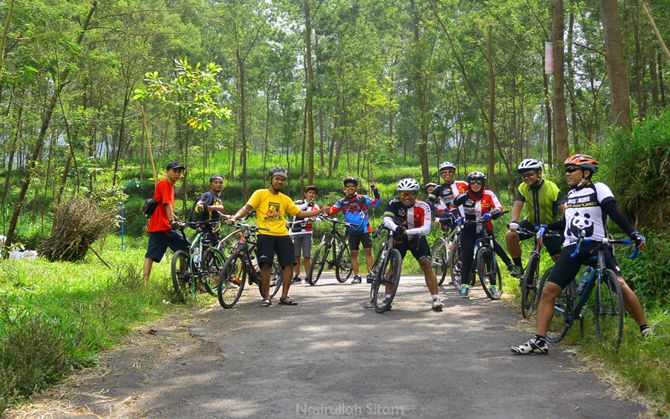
<point>456,265</point>
<point>528,284</point>
<point>562,319</point>
<point>438,253</point>
<point>609,311</point>
<point>276,278</point>
<point>387,278</point>
<point>182,276</point>
<point>343,268</point>
<point>318,262</point>
<point>213,262</point>
<point>232,279</point>
<point>489,272</point>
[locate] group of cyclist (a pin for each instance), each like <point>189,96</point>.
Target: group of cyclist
<point>469,204</point>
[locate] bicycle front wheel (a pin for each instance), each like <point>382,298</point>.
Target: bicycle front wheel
<point>343,268</point>
<point>182,276</point>
<point>385,284</point>
<point>609,311</point>
<point>528,284</point>
<point>455,265</point>
<point>438,255</point>
<point>276,277</point>
<point>213,262</point>
<point>232,279</point>
<point>489,273</point>
<point>318,262</point>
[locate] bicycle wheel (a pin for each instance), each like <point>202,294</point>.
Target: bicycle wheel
<point>318,262</point>
<point>343,267</point>
<point>385,284</point>
<point>212,264</point>
<point>609,311</point>
<point>489,273</point>
<point>276,277</point>
<point>455,265</point>
<point>438,254</point>
<point>182,276</point>
<point>232,279</point>
<point>561,320</point>
<point>528,284</point>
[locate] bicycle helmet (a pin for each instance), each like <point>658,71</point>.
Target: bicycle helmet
<point>350,179</point>
<point>584,161</point>
<point>446,165</point>
<point>278,171</point>
<point>311,188</point>
<point>428,185</point>
<point>408,185</point>
<point>529,164</point>
<point>476,176</point>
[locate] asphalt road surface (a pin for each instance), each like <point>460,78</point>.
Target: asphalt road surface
<point>330,356</point>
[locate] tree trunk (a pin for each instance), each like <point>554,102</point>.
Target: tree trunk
<point>571,81</point>
<point>242,129</point>
<point>12,153</point>
<point>46,119</point>
<point>653,76</point>
<point>309,75</point>
<point>492,109</point>
<point>616,64</point>
<point>122,132</point>
<point>421,94</point>
<point>560,117</point>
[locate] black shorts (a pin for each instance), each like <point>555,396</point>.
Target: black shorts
<point>267,246</point>
<point>566,266</point>
<point>418,246</point>
<point>356,239</point>
<point>159,241</point>
<point>552,244</point>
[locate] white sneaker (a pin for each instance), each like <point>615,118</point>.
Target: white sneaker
<point>533,346</point>
<point>438,305</point>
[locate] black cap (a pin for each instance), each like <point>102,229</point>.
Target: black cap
<point>214,177</point>
<point>175,165</point>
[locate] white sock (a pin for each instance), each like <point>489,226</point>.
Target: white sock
<point>436,297</point>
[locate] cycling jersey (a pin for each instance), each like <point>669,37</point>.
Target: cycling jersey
<point>415,219</point>
<point>443,195</point>
<point>583,212</point>
<point>304,227</point>
<point>473,206</point>
<point>355,210</point>
<point>542,199</point>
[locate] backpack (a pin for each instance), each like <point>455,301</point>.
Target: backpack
<point>149,207</point>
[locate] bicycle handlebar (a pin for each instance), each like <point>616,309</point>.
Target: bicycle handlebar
<point>581,240</point>
<point>250,227</point>
<point>471,222</point>
<point>336,221</point>
<point>181,225</point>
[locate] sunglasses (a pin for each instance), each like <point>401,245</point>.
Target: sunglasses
<point>571,169</point>
<point>451,172</point>
<point>476,182</point>
<point>527,174</point>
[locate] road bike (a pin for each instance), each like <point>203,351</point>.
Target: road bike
<point>242,267</point>
<point>608,309</point>
<point>200,264</point>
<point>531,275</point>
<point>445,253</point>
<point>386,274</point>
<point>332,252</point>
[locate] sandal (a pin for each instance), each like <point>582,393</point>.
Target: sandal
<point>266,302</point>
<point>287,301</point>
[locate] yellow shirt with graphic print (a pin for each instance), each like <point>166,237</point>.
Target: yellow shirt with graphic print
<point>271,210</point>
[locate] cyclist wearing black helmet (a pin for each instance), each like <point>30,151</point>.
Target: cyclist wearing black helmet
<point>271,208</point>
<point>301,232</point>
<point>441,197</point>
<point>545,204</point>
<point>354,206</point>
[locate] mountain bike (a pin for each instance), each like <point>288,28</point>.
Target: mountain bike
<point>242,266</point>
<point>333,252</point>
<point>530,279</point>
<point>608,309</point>
<point>386,271</point>
<point>201,263</point>
<point>485,263</point>
<point>445,252</point>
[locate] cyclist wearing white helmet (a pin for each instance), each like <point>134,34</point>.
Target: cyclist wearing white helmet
<point>410,221</point>
<point>442,196</point>
<point>546,204</point>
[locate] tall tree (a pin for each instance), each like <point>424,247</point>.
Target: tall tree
<point>558,82</point>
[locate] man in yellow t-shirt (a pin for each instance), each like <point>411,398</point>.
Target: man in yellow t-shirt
<point>271,207</point>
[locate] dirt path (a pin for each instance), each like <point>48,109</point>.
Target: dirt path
<point>330,356</point>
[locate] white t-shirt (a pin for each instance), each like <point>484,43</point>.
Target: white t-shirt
<point>583,212</point>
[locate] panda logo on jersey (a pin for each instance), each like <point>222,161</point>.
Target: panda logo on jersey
<point>581,222</point>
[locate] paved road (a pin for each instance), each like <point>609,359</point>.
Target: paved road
<point>331,356</point>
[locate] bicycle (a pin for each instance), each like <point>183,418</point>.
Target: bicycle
<point>334,245</point>
<point>241,266</point>
<point>445,252</point>
<point>531,276</point>
<point>386,273</point>
<point>608,307</point>
<point>195,265</point>
<point>485,263</point>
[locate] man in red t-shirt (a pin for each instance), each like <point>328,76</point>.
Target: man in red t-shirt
<point>161,232</point>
